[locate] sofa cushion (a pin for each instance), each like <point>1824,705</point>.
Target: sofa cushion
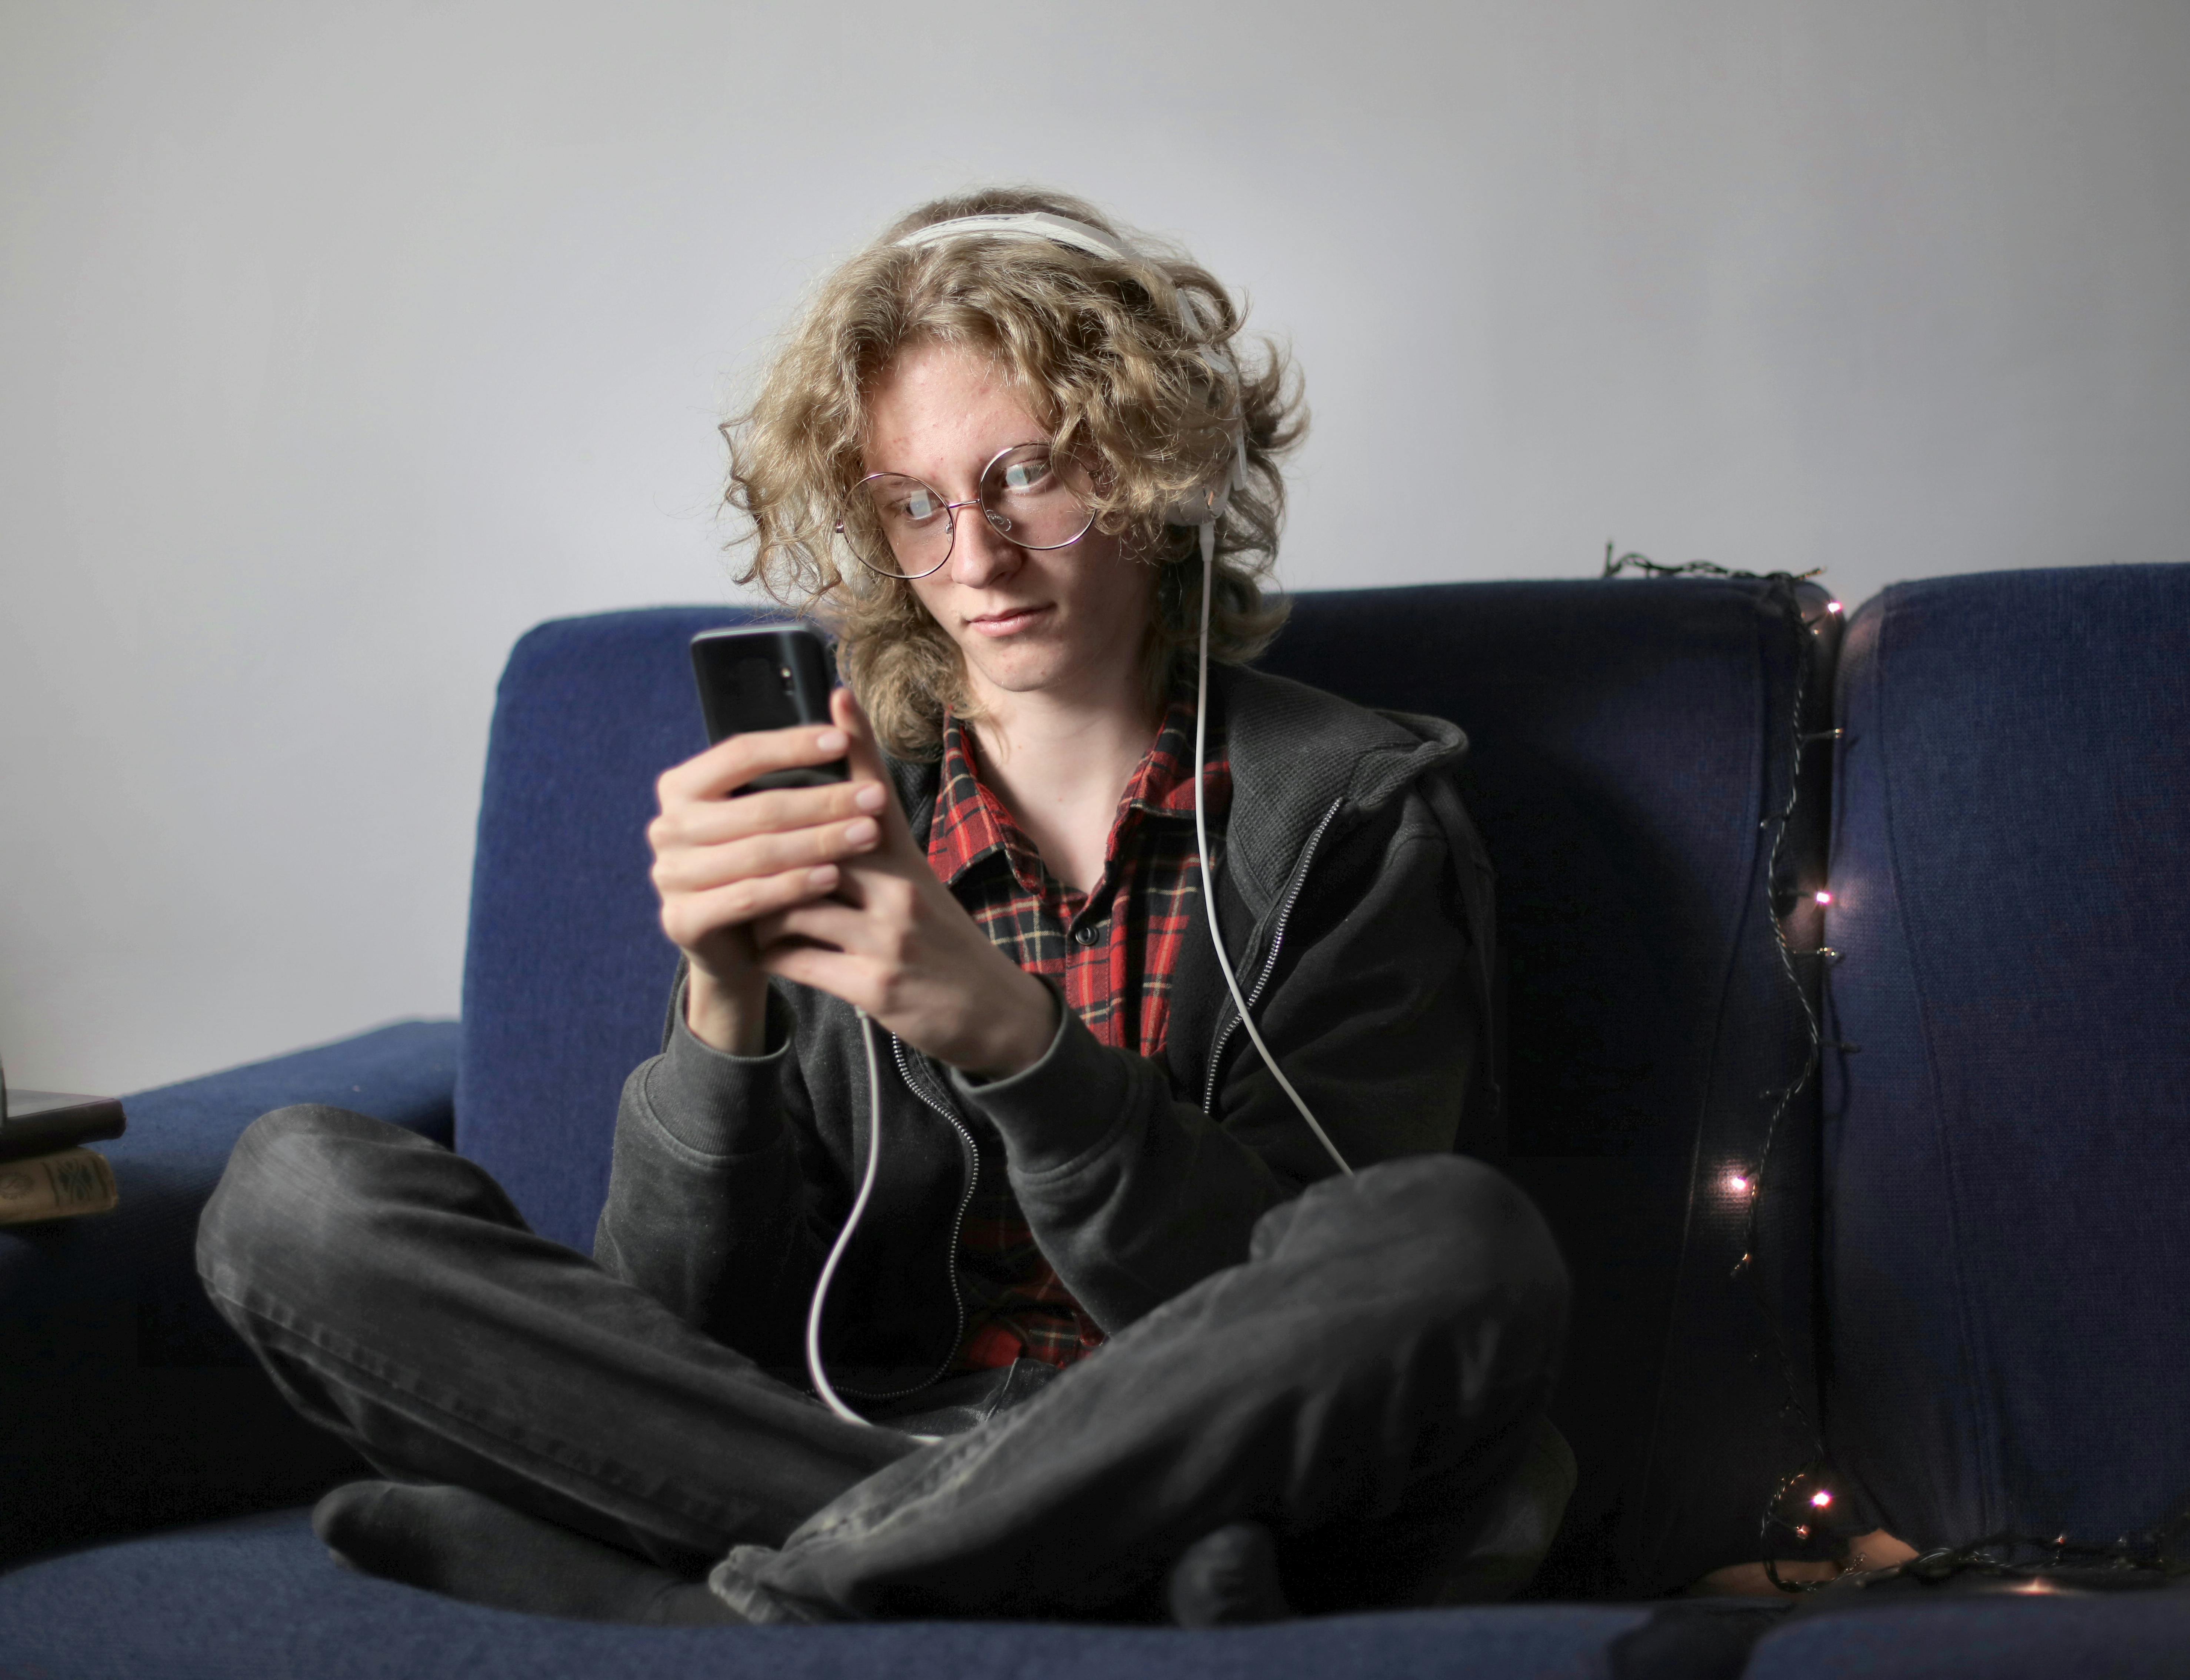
<point>2010,1146</point>
<point>262,1597</point>
<point>2133,1636</point>
<point>126,1400</point>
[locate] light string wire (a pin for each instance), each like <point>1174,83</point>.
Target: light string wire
<point>1780,591</point>
<point>2150,1556</point>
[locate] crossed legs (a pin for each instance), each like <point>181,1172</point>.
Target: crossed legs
<point>1363,1386</point>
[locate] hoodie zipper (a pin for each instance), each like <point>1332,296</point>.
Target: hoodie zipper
<point>1270,962</point>
<point>1208,1096</point>
<point>957,1229</point>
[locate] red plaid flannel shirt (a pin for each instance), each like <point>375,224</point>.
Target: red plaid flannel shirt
<point>1113,951</point>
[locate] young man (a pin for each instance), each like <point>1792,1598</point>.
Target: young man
<point>1129,1340</point>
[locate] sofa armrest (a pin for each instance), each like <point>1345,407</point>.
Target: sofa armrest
<point>125,1402</point>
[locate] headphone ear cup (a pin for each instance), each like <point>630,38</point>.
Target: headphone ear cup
<point>1198,508</point>
<point>1207,503</point>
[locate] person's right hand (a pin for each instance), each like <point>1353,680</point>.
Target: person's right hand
<point>722,858</point>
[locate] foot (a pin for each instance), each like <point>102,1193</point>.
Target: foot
<point>1228,1577</point>
<point>1876,1550</point>
<point>452,1540</point>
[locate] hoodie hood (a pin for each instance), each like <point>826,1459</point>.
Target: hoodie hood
<point>1294,752</point>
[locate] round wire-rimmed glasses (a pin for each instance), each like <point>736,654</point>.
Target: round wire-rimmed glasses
<point>898,526</point>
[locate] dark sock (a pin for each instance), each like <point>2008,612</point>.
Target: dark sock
<point>450,1540</point>
<point>1227,1576</point>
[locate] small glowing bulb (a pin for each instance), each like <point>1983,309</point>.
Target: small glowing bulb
<point>1736,1183</point>
<point>1822,896</point>
<point>1803,1530</point>
<point>1821,1499</point>
<point>1834,607</point>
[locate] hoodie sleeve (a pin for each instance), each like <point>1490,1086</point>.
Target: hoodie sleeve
<point>707,1207</point>
<point>1372,1009</point>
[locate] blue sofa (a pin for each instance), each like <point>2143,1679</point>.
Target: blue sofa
<point>1952,1256</point>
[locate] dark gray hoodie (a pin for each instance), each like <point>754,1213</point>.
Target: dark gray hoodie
<point>1355,899</point>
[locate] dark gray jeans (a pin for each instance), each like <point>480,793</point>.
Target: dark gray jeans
<point>1368,1383</point>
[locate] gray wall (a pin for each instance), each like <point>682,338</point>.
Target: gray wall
<point>342,342</point>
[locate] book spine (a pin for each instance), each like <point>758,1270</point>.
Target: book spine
<point>56,1186</point>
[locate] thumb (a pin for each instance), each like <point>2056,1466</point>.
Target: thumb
<point>864,757</point>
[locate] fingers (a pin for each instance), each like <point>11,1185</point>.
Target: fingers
<point>735,761</point>
<point>710,821</point>
<point>873,917</point>
<point>688,917</point>
<point>848,977</point>
<point>689,868</point>
<point>824,921</point>
<point>723,858</point>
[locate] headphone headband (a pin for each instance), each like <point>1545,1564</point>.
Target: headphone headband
<point>1040,225</point>
<point>1044,228</point>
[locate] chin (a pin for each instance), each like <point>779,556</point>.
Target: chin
<point>1030,665</point>
<point>1020,676</point>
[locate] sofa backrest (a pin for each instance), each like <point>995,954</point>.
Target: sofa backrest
<point>566,971</point>
<point>1629,740</point>
<point>2009,1147</point>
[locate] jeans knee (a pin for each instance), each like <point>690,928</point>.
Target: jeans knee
<point>1449,1227</point>
<point>291,1182</point>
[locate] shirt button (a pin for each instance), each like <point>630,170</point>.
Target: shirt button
<point>1086,933</point>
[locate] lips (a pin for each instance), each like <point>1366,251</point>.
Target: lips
<point>1009,623</point>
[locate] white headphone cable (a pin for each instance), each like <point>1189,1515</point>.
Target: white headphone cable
<point>829,1395</point>
<point>814,1367</point>
<point>1208,530</point>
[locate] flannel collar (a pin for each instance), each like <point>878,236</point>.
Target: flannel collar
<point>970,823</point>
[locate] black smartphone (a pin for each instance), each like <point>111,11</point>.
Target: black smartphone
<point>774,677</point>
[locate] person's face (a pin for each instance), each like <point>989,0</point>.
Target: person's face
<point>1024,620</point>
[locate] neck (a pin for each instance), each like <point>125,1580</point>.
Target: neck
<point>1059,759</point>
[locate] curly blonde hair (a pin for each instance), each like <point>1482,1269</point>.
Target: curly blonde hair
<point>1099,351</point>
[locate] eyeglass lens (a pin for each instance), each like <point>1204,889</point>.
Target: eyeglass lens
<point>903,528</point>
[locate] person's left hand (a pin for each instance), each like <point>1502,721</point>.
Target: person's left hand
<point>892,941</point>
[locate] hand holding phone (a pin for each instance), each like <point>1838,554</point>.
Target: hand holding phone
<point>759,822</point>
<point>770,862</point>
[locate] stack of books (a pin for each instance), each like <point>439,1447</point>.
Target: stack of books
<point>45,1171</point>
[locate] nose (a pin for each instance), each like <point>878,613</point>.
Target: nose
<point>980,554</point>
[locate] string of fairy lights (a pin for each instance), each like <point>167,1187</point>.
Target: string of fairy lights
<point>1801,1500</point>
